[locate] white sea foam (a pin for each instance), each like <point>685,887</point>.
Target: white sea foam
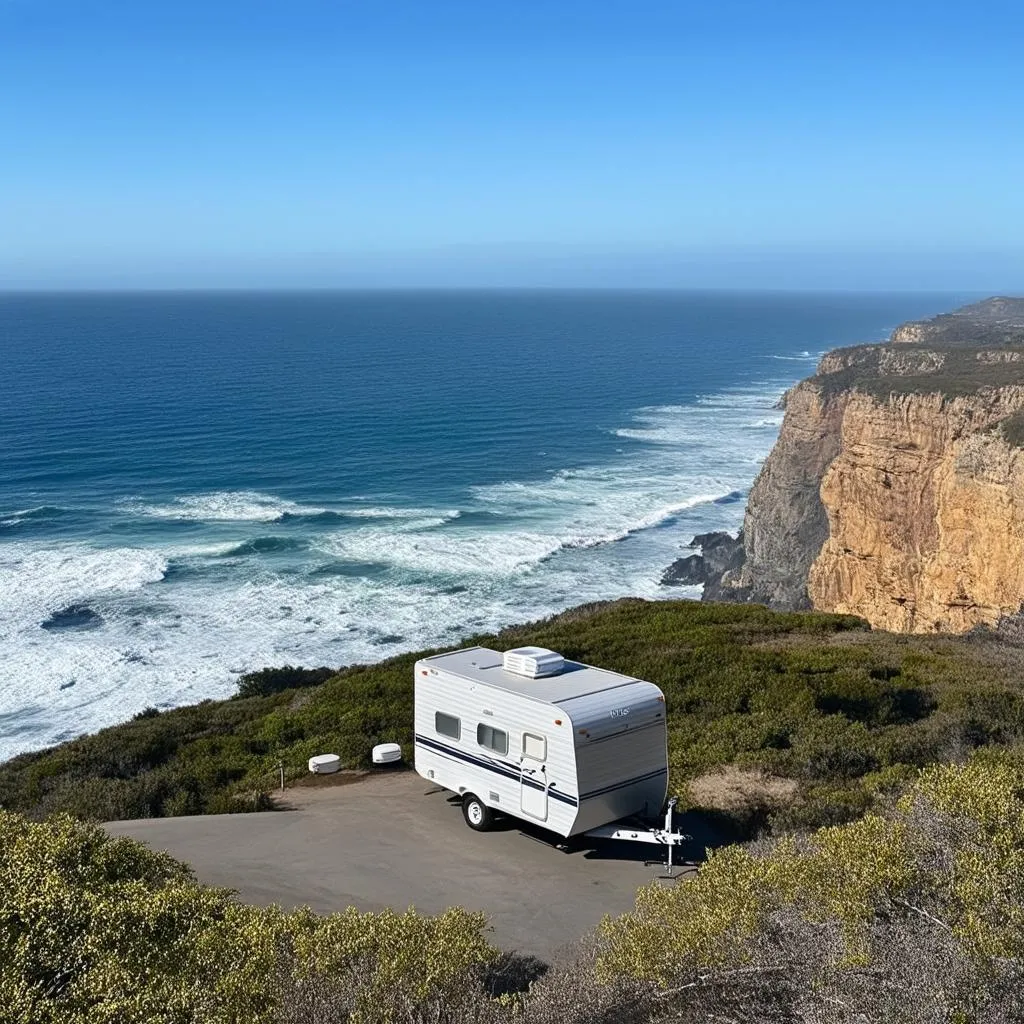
<point>35,663</point>
<point>35,582</point>
<point>206,550</point>
<point>447,553</point>
<point>656,518</point>
<point>221,507</point>
<point>15,517</point>
<point>256,507</point>
<point>22,512</point>
<point>432,576</point>
<point>393,512</point>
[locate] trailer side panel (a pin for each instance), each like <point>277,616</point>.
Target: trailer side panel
<point>513,752</point>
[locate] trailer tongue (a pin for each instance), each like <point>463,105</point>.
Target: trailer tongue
<point>667,836</point>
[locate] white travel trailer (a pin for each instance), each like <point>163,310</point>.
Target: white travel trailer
<point>529,734</point>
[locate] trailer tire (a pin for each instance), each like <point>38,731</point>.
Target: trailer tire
<point>479,817</point>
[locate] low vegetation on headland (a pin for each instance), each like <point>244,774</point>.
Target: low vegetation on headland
<point>882,774</point>
<point>815,716</point>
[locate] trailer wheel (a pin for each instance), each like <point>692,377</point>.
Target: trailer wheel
<point>478,815</point>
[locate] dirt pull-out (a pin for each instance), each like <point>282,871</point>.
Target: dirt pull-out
<point>395,840</point>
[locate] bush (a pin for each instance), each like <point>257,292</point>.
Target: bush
<point>273,680</point>
<point>815,698</point>
<point>912,917</point>
<point>96,929</point>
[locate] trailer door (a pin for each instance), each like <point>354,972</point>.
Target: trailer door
<point>533,777</point>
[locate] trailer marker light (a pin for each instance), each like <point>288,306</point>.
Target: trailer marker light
<point>558,721</point>
<point>423,672</point>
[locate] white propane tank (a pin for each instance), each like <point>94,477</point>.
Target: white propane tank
<point>387,753</point>
<point>324,764</point>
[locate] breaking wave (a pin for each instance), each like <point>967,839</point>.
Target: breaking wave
<point>171,622</point>
<point>800,357</point>
<point>220,507</point>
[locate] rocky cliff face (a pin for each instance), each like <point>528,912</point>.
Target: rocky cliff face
<point>896,488</point>
<point>925,507</point>
<point>786,524</point>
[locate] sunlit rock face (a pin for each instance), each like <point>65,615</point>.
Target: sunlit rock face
<point>896,488</point>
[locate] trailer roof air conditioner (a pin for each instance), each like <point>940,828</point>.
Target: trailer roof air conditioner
<point>533,662</point>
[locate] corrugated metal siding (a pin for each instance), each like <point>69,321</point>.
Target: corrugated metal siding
<point>621,753</point>
<point>464,766</point>
<point>594,711</point>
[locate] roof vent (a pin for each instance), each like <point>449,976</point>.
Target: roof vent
<point>533,662</point>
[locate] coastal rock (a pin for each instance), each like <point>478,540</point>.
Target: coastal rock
<point>686,572</point>
<point>896,488</point>
<point>999,320</point>
<point>785,524</point>
<point>719,553</point>
<point>925,507</point>
<point>1009,629</point>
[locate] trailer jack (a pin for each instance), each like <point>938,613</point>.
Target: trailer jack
<point>667,837</point>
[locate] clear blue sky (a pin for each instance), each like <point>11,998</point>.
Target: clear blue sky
<point>511,142</point>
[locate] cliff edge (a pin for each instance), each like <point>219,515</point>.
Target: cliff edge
<point>896,488</point>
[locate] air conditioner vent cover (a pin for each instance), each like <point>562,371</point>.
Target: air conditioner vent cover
<point>533,662</point>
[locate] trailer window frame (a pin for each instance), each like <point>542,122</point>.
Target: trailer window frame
<point>491,732</point>
<point>544,746</point>
<point>457,722</point>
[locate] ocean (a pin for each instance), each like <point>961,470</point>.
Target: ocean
<point>195,485</point>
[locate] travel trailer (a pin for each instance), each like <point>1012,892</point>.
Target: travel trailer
<point>535,736</point>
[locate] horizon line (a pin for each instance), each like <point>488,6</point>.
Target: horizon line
<point>458,289</point>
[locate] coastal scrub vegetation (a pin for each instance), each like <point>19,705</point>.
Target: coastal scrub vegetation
<point>915,369</point>
<point>98,929</point>
<point>273,680</point>
<point>843,715</point>
<point>911,915</point>
<point>1012,430</point>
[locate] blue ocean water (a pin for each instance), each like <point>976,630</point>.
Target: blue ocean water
<point>196,485</point>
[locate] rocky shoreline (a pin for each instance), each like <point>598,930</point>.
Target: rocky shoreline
<point>716,554</point>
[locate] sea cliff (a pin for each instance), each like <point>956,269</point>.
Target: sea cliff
<point>896,488</point>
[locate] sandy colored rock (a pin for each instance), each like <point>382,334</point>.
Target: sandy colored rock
<point>925,506</point>
<point>896,488</point>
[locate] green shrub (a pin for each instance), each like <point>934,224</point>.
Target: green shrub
<point>909,916</point>
<point>912,917</point>
<point>948,370</point>
<point>273,680</point>
<point>96,929</point>
<point>818,698</point>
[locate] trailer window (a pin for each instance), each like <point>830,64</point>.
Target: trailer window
<point>447,725</point>
<point>535,747</point>
<point>491,738</point>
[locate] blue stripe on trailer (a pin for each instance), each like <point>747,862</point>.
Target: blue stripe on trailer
<point>622,785</point>
<point>502,768</point>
